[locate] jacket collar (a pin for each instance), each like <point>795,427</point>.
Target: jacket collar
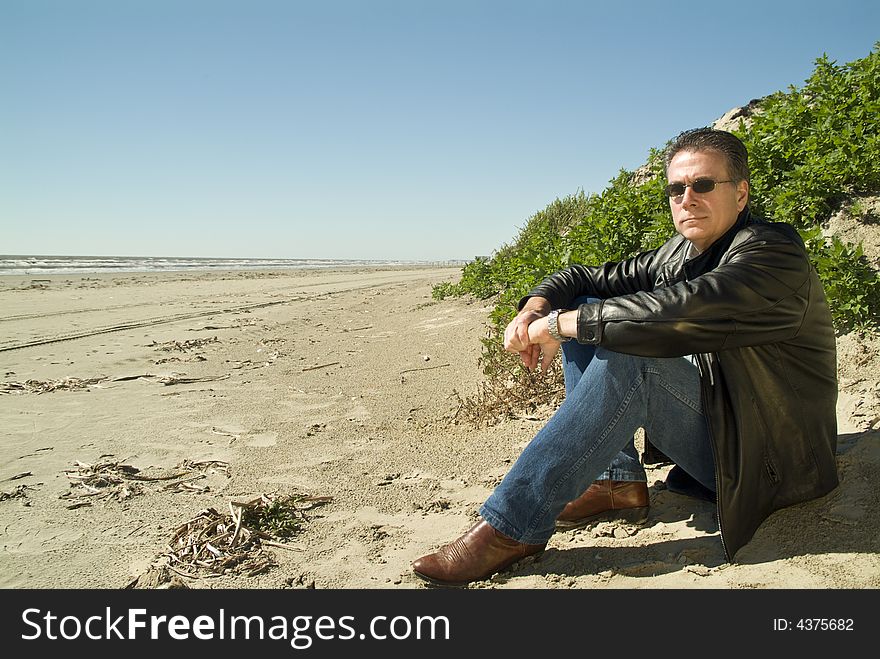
<point>711,257</point>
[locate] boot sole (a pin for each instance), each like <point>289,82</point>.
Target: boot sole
<point>533,558</point>
<point>631,515</point>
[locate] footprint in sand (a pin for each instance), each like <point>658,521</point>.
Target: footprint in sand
<point>439,323</point>
<point>264,439</point>
<point>21,537</point>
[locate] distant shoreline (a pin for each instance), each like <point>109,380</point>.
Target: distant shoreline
<point>39,266</point>
<point>10,282</point>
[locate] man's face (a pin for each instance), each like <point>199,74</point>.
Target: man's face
<point>704,218</point>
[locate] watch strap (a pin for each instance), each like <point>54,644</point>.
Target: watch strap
<point>553,325</point>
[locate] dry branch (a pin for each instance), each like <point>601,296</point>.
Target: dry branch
<point>212,544</point>
<point>426,368</point>
<point>183,346</point>
<point>511,392</point>
<point>315,368</point>
<point>42,387</point>
<point>19,492</point>
<point>113,480</point>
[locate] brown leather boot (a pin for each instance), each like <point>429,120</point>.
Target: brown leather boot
<point>603,501</point>
<point>478,554</point>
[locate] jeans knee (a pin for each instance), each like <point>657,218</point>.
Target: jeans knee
<point>618,360</point>
<point>584,299</point>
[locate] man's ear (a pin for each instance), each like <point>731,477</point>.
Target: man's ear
<point>742,195</point>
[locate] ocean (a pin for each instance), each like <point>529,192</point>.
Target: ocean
<point>61,265</point>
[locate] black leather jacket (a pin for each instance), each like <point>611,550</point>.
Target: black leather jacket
<point>753,311</point>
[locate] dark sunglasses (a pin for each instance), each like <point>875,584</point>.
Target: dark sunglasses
<point>700,186</point>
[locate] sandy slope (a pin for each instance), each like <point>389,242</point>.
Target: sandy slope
<point>340,383</point>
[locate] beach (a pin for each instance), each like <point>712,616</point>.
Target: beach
<point>340,386</point>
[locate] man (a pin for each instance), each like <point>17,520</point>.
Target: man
<point>719,344</point>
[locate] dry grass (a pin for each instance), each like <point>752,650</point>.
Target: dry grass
<point>19,492</point>
<point>183,346</point>
<point>212,544</point>
<point>112,480</point>
<point>511,392</point>
<point>46,386</point>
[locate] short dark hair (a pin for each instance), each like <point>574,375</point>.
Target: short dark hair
<point>709,139</point>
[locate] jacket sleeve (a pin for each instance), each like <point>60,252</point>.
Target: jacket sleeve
<point>605,281</point>
<point>758,295</point>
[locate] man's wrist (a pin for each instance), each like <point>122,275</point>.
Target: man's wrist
<point>553,325</point>
<point>538,305</point>
<point>567,323</point>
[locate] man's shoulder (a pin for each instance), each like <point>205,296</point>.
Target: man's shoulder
<point>677,242</point>
<point>758,228</point>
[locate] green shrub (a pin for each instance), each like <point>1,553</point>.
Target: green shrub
<point>809,150</point>
<point>849,280</point>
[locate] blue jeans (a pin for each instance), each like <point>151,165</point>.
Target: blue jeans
<point>609,396</point>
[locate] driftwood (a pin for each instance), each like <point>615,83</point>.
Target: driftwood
<point>71,384</point>
<point>213,544</point>
<point>175,378</point>
<point>19,492</point>
<point>46,386</point>
<point>426,368</point>
<point>23,474</point>
<point>183,346</point>
<point>113,480</point>
<point>315,368</point>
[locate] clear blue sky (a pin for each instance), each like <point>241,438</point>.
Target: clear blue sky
<point>362,129</point>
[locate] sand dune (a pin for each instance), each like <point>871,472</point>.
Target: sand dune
<point>338,384</point>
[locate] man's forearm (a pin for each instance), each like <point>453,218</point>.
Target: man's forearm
<point>537,304</point>
<point>567,323</point>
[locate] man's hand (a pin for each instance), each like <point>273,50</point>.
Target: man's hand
<point>527,334</point>
<point>539,336</point>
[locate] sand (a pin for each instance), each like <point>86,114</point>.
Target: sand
<point>337,383</point>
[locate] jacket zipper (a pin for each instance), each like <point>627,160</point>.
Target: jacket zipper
<point>708,357</point>
<point>699,360</point>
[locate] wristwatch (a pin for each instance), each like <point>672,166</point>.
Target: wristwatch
<point>553,327</point>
